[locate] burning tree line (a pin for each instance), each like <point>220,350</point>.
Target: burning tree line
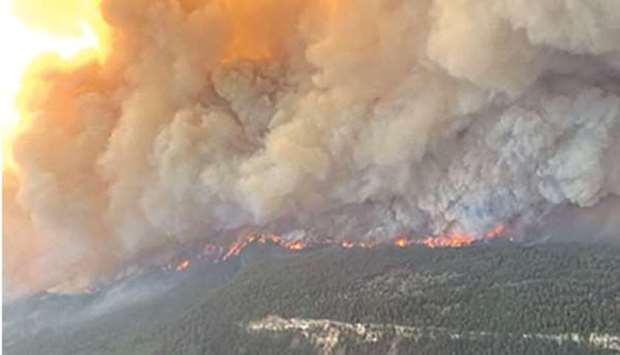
<point>450,240</point>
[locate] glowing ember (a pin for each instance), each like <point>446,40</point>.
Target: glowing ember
<point>366,244</point>
<point>298,245</point>
<point>401,242</point>
<point>458,240</point>
<point>498,231</point>
<point>275,239</point>
<point>238,246</point>
<point>455,240</point>
<point>184,265</point>
<point>347,244</point>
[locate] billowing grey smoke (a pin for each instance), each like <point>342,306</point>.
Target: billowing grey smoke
<point>345,119</point>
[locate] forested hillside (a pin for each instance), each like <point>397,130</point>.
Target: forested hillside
<point>484,299</point>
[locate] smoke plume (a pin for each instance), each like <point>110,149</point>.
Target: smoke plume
<point>353,119</point>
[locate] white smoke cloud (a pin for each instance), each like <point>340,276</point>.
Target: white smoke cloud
<point>356,119</point>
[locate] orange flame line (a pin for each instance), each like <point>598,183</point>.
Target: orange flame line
<point>451,240</point>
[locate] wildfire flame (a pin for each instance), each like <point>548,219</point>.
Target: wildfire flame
<point>74,31</point>
<point>450,240</point>
<point>184,265</point>
<point>455,240</point>
<point>347,244</point>
<point>498,231</point>
<point>401,242</point>
<point>217,254</point>
<point>298,245</point>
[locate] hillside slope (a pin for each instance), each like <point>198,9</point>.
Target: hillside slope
<point>485,299</point>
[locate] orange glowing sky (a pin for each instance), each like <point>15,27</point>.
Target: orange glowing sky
<point>32,28</point>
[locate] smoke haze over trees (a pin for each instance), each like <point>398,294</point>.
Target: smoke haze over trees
<point>343,119</point>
